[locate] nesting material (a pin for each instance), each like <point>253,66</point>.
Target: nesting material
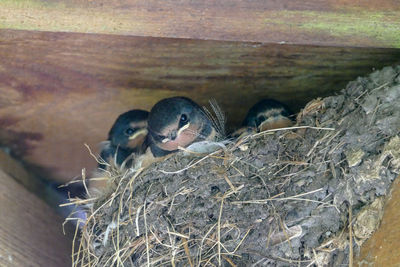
<point>299,196</point>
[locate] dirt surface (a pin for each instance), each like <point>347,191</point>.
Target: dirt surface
<point>280,198</point>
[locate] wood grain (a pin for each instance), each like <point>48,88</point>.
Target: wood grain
<point>59,91</point>
<point>382,249</point>
<point>30,232</point>
<point>372,23</point>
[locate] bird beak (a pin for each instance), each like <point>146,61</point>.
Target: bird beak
<point>166,140</point>
<point>263,126</point>
<point>183,128</point>
<point>139,132</point>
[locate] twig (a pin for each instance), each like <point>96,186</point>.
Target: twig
<point>187,251</point>
<point>219,230</point>
<point>202,242</point>
<point>231,263</point>
<point>145,226</point>
<point>241,241</point>
<point>177,234</point>
<point>289,128</point>
<point>73,244</point>
<point>350,237</point>
<point>91,153</point>
<point>84,181</point>
<point>190,166</point>
<point>137,220</point>
<point>260,201</point>
<point>77,201</point>
<point>233,188</point>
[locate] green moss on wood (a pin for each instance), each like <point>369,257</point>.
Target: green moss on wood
<point>379,26</point>
<point>347,27</point>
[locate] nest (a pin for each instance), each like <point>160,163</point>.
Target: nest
<point>300,196</point>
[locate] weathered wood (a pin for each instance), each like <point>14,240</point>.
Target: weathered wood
<point>15,170</point>
<point>30,231</point>
<point>371,23</point>
<point>33,183</point>
<point>61,90</point>
<point>382,249</point>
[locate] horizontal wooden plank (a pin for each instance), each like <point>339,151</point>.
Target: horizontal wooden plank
<point>371,23</point>
<point>61,90</point>
<point>30,232</point>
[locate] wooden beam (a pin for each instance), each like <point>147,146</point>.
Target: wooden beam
<point>382,248</point>
<point>59,91</point>
<point>34,183</point>
<point>30,232</point>
<point>358,23</point>
<point>15,170</point>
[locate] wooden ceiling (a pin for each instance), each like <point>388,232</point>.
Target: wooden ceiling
<point>356,23</point>
<point>62,89</point>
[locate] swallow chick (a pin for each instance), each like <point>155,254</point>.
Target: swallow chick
<point>178,122</point>
<point>127,137</point>
<point>268,114</point>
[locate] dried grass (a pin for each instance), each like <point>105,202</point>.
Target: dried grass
<point>140,218</point>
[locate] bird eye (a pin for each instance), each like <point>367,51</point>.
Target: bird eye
<point>129,131</point>
<point>183,118</point>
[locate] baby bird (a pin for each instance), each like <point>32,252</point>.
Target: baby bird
<point>268,114</point>
<point>177,122</point>
<point>126,137</point>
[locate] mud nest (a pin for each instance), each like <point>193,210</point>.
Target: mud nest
<point>301,196</point>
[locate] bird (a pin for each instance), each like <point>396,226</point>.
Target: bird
<point>126,138</point>
<point>266,114</point>
<point>178,122</point>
